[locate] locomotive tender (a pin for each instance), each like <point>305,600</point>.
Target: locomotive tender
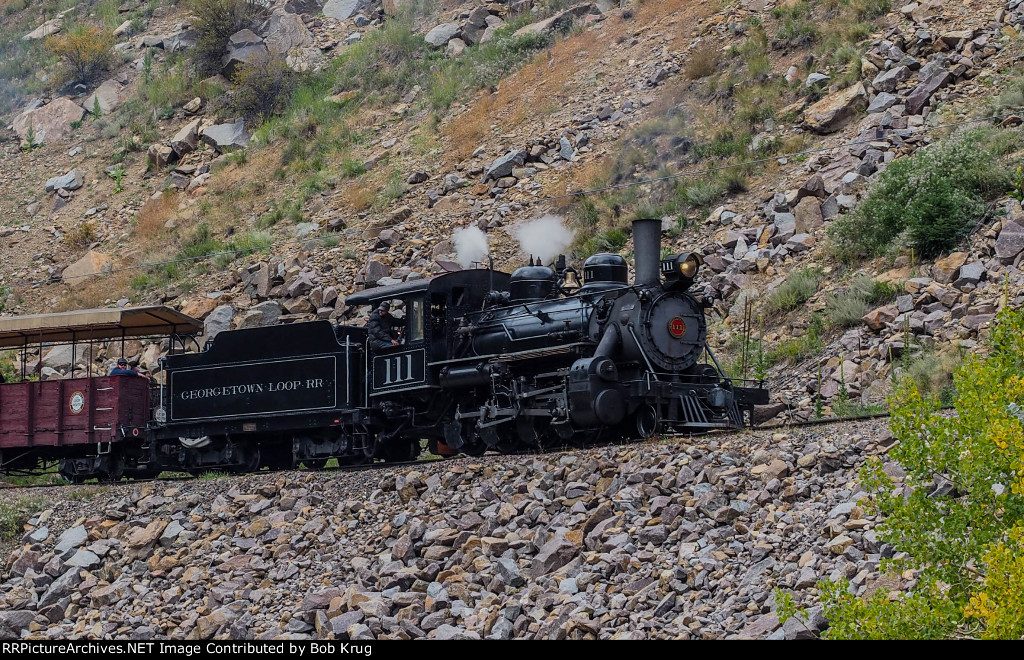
<point>488,361</point>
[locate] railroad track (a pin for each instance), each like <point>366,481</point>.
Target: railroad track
<point>171,478</point>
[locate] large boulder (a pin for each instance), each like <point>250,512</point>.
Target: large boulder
<point>245,47</point>
<point>503,165</point>
<point>284,32</point>
<point>48,123</point>
<point>88,266</point>
<point>50,27</point>
<point>918,98</point>
<point>808,215</point>
<point>440,35</point>
<point>218,321</point>
<point>343,9</point>
<point>836,110</point>
<point>160,155</point>
<point>226,137</point>
<point>888,81</point>
<point>946,269</point>
<point>106,98</point>
<point>474,28</point>
<point>261,315</point>
<point>73,180</point>
<point>557,23</point>
<point>59,357</point>
<point>303,6</point>
<point>179,41</point>
<point>1010,242</point>
<point>186,139</point>
<point>878,318</point>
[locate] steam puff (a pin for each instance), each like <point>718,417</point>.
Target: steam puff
<point>546,237</point>
<point>470,245</point>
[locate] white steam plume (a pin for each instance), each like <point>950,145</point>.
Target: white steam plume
<point>470,245</point>
<point>546,237</point>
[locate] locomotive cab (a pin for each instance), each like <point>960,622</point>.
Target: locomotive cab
<point>434,310</point>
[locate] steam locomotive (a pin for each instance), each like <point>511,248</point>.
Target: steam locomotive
<point>488,361</point>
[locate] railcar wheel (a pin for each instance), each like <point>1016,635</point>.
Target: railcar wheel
<point>402,450</point>
<point>315,463</point>
<point>68,474</point>
<point>474,448</point>
<point>249,461</point>
<point>647,420</point>
<point>114,468</point>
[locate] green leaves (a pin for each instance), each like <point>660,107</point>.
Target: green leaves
<point>958,513</point>
<point>928,202</point>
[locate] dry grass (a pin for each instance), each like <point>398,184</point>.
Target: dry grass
<point>702,62</point>
<point>81,236</point>
<point>96,292</point>
<point>468,132</point>
<point>358,196</point>
<point>153,217</point>
<point>545,81</point>
<point>591,173</point>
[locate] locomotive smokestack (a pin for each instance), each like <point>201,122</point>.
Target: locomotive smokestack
<point>647,250</point>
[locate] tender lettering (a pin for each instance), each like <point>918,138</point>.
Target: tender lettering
<point>230,390</point>
<point>254,388</point>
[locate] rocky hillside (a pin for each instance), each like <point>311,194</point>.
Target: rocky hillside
<point>676,540</point>
<point>365,175</point>
<point>753,128</point>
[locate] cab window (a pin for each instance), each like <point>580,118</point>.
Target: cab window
<point>415,320</point>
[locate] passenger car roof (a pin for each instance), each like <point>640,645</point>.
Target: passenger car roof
<point>94,324</point>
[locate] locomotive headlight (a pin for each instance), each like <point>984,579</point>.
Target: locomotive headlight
<point>688,265</point>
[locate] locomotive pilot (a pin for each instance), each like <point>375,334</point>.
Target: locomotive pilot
<point>383,327</point>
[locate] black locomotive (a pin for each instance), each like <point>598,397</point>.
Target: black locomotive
<point>488,361</point>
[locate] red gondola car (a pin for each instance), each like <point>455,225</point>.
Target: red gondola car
<point>95,426</point>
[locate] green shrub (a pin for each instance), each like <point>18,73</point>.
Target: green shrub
<point>143,282</point>
<point>725,144</point>
<point>387,63</point>
<point>795,291</point>
<point>702,62</point>
<point>798,349</point>
<point>350,167</point>
<point>845,310</point>
<point>263,89</point>
<point>703,192</point>
<point>796,26</point>
<point>214,21</point>
<point>609,240</point>
<point>14,514</point>
<point>928,202</point>
<point>932,374</point>
<point>7,368</point>
<point>83,53</point>
<point>167,91</point>
<point>200,244</point>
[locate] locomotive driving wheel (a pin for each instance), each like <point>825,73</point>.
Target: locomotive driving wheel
<point>472,443</point>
